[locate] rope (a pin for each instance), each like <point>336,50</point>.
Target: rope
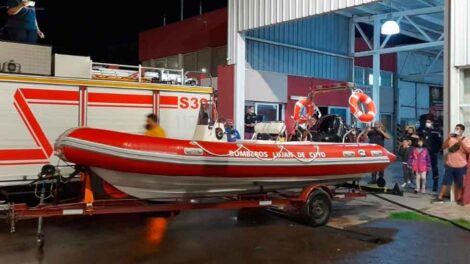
<point>212,153</point>
<point>281,147</point>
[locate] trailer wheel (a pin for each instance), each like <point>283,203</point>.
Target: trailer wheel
<point>40,240</point>
<point>381,182</point>
<point>317,209</point>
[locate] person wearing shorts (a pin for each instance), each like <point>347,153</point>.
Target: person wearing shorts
<point>458,147</point>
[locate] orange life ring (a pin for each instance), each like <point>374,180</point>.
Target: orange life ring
<point>354,101</point>
<point>309,107</point>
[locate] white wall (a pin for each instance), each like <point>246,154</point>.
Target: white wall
<point>265,86</point>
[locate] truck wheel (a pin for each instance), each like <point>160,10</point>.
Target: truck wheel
<point>317,209</point>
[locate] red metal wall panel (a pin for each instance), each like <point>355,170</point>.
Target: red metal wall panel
<point>300,86</point>
<point>189,35</point>
<point>226,90</point>
<point>388,62</point>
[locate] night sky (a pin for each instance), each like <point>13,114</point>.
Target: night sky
<point>106,30</point>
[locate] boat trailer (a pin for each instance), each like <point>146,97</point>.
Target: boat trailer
<point>311,205</point>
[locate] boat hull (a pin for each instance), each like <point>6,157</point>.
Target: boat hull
<point>154,168</point>
<point>158,187</point>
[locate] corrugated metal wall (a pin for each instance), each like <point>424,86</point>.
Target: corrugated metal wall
<point>327,33</point>
<point>460,29</point>
<point>250,14</point>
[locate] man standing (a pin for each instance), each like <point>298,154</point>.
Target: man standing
<point>250,122</point>
<point>22,22</point>
<point>456,163</point>
<point>433,142</point>
<point>152,127</point>
<point>377,135</point>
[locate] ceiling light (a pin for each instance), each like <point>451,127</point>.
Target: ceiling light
<point>390,27</point>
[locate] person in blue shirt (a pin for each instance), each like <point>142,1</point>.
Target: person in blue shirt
<point>232,133</point>
<point>22,22</point>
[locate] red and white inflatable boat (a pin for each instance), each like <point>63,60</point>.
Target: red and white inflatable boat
<point>158,168</point>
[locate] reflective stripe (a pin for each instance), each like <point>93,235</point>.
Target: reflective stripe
<point>368,101</point>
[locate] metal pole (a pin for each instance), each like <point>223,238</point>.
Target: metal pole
<point>376,67</point>
<point>182,10</point>
<point>200,7</point>
<point>239,95</point>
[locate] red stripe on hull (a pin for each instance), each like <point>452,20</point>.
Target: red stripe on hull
<point>168,169</point>
<point>332,156</point>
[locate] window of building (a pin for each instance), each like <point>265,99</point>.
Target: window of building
<point>343,112</point>
<point>268,112</point>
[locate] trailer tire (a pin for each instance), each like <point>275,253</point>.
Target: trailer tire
<point>381,182</point>
<point>316,211</point>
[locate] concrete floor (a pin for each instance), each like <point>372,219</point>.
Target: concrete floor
<point>359,232</point>
<point>230,236</point>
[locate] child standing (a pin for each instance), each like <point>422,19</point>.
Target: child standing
<point>404,153</point>
<point>420,163</point>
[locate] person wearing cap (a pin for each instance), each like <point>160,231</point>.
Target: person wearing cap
<point>232,133</point>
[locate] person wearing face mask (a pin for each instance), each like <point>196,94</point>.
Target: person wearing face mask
<point>458,147</point>
<point>411,134</point>
<point>433,141</point>
<point>420,163</point>
<point>152,127</point>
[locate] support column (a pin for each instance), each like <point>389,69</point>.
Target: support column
<point>376,67</point>
<point>239,91</point>
<point>352,46</point>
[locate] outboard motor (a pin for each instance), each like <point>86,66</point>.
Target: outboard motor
<point>330,128</point>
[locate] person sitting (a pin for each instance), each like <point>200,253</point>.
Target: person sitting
<point>232,133</point>
<point>152,127</point>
